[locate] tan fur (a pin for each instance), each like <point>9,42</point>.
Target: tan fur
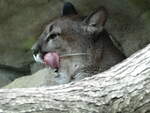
<point>76,36</point>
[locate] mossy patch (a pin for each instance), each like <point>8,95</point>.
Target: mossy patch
<point>28,43</point>
<point>146,18</point>
<point>141,4</point>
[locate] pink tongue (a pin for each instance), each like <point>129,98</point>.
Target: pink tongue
<point>52,59</point>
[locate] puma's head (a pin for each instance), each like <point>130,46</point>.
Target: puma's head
<point>69,34</point>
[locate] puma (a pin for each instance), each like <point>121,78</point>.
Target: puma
<point>76,48</point>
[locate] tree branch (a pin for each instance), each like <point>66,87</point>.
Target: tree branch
<point>125,88</point>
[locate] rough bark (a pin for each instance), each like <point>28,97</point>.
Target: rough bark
<point>125,88</point>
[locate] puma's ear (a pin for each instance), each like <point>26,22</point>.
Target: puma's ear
<point>68,9</point>
<point>98,17</point>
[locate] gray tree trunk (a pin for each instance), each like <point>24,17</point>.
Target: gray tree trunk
<point>125,88</point>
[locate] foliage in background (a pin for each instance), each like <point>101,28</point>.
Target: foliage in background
<point>144,6</point>
<point>141,4</point>
<point>28,43</point>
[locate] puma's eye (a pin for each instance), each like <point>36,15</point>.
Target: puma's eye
<point>93,24</point>
<point>52,36</point>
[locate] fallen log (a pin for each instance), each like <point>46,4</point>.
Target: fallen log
<point>125,88</point>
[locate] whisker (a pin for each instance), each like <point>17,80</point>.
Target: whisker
<point>73,54</point>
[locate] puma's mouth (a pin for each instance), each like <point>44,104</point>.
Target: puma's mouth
<point>52,59</point>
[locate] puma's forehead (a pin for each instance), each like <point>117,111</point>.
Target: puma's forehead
<point>63,23</point>
<point>67,25</point>
<point>62,26</point>
<point>53,28</point>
